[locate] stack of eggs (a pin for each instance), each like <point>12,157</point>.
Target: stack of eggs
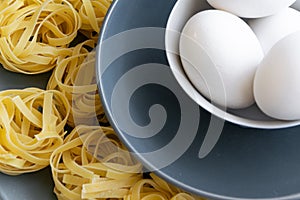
<point>245,52</point>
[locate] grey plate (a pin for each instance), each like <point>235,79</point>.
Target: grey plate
<point>165,129</point>
<point>33,186</point>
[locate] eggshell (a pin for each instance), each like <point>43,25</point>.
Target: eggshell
<point>270,30</point>
<point>220,54</point>
<point>251,8</point>
<point>277,80</point>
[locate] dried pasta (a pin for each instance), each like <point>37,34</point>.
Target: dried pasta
<point>75,77</point>
<point>92,164</point>
<point>33,34</point>
<point>155,188</point>
<point>31,128</point>
<point>92,14</point>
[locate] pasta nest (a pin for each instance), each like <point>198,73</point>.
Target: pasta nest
<point>33,34</point>
<point>31,128</point>
<point>75,77</point>
<point>93,164</point>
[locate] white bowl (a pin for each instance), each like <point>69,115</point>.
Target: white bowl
<point>250,117</point>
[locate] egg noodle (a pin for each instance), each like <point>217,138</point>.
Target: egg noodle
<point>34,34</point>
<point>92,13</point>
<point>93,164</point>
<point>75,77</point>
<point>89,162</point>
<point>155,188</point>
<point>31,128</point>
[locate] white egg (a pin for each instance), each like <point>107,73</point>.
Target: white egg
<point>277,80</point>
<point>270,30</point>
<point>251,8</point>
<point>220,54</point>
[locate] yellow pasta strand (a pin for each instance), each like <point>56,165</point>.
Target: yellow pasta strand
<point>33,34</point>
<point>92,14</point>
<point>81,159</point>
<point>81,169</point>
<point>157,189</point>
<point>75,77</point>
<point>31,127</point>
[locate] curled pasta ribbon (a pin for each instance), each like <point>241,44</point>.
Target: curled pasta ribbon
<point>31,128</point>
<point>92,14</point>
<point>157,189</point>
<point>33,34</point>
<point>75,77</point>
<point>93,164</point>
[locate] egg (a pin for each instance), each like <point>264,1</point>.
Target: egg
<point>271,29</point>
<point>251,8</point>
<point>220,53</point>
<point>277,80</point>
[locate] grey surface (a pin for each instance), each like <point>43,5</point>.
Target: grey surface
<point>245,164</point>
<point>33,186</point>
<point>12,80</point>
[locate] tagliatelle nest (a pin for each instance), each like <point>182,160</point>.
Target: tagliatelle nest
<point>75,77</point>
<point>31,128</point>
<point>33,36</point>
<point>92,163</point>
